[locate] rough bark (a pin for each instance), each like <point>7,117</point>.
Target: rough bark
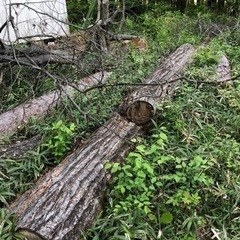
<point>223,70</point>
<point>35,56</point>
<point>19,149</point>
<point>68,199</point>
<point>15,118</point>
<point>181,5</point>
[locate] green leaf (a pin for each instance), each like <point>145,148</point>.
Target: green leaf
<point>135,155</point>
<point>163,136</point>
<point>108,166</point>
<point>178,160</point>
<point>160,142</point>
<point>141,148</point>
<point>164,159</point>
<point>187,199</point>
<point>178,166</point>
<point>147,209</point>
<point>166,218</point>
<point>154,148</point>
<point>138,163</point>
<point>72,127</point>
<point>177,178</point>
<point>129,174</point>
<point>184,164</point>
<point>152,217</point>
<point>153,179</point>
<point>152,187</point>
<point>141,174</point>
<point>149,168</point>
<point>122,189</point>
<point>115,167</point>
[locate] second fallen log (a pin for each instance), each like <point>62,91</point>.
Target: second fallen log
<point>17,117</point>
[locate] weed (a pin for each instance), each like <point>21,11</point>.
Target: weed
<point>59,139</point>
<point>7,226</point>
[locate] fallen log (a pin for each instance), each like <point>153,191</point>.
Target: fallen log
<point>140,106</point>
<point>15,118</point>
<point>35,55</point>
<point>67,200</point>
<point>19,149</point>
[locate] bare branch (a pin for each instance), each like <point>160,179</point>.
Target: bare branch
<point>123,14</point>
<point>119,37</point>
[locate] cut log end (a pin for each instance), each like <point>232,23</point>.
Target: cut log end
<point>140,112</point>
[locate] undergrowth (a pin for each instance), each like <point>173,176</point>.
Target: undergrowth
<point>182,181</point>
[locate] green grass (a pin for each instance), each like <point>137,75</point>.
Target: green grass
<point>183,181</point>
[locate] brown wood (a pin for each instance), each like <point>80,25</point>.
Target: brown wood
<point>19,149</point>
<point>67,199</point>
<point>223,70</point>
<point>140,112</point>
<point>17,117</point>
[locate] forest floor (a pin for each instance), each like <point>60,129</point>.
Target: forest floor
<point>182,180</point>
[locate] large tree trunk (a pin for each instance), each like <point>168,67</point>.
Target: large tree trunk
<point>221,4</point>
<point>67,199</point>
<point>15,118</point>
<point>181,5</point>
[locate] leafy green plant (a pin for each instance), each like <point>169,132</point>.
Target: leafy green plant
<point>59,139</point>
<point>170,29</point>
<point>232,95</point>
<point>207,56</point>
<point>137,180</point>
<point>122,226</point>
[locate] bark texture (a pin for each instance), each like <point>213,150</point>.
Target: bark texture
<point>68,199</point>
<point>15,118</point>
<point>35,56</point>
<point>223,70</point>
<point>19,149</point>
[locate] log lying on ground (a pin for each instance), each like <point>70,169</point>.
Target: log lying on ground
<point>35,55</point>
<point>223,70</point>
<point>19,149</point>
<point>67,199</point>
<point>140,106</point>
<point>13,119</point>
